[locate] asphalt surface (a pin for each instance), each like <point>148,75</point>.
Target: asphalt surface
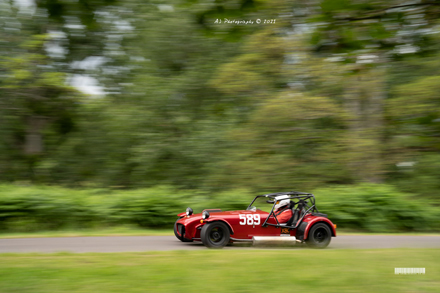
<point>163,243</point>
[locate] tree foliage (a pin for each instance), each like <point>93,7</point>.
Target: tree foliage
<point>333,92</point>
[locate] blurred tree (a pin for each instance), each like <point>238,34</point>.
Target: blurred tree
<point>413,123</point>
<point>346,26</point>
<point>368,35</point>
<point>290,140</point>
<point>39,42</point>
<point>159,108</point>
<point>325,95</point>
<point>256,73</point>
<point>34,95</point>
<point>81,21</point>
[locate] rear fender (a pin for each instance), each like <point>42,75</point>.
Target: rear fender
<point>319,220</point>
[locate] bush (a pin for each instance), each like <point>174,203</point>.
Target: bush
<point>228,200</point>
<point>154,207</point>
<point>42,208</point>
<point>423,178</point>
<point>51,208</point>
<point>376,208</point>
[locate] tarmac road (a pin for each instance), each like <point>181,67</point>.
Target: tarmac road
<point>161,243</point>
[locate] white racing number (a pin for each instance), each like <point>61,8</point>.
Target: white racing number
<point>249,219</point>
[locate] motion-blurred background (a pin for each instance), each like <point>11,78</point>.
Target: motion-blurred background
<point>336,97</point>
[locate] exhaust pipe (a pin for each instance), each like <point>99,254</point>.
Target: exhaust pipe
<point>274,240</point>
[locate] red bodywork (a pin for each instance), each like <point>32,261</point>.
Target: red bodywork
<point>243,229</point>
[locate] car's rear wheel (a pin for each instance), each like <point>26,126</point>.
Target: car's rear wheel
<point>215,235</point>
<point>319,236</point>
<point>182,232</point>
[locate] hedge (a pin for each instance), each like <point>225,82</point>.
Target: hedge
<point>374,208</point>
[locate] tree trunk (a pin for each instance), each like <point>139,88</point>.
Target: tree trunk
<point>34,137</point>
<point>364,101</point>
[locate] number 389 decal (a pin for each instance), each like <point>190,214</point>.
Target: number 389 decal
<point>249,219</point>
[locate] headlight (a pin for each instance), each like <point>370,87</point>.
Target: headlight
<point>205,215</point>
<point>189,211</point>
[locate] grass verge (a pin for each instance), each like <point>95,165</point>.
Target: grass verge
<point>222,271</point>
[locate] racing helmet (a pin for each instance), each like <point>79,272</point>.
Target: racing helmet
<point>282,203</point>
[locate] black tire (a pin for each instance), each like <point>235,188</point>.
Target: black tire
<point>215,235</point>
<point>177,235</point>
<point>319,236</point>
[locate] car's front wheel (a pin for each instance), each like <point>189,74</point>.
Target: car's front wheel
<point>215,235</point>
<point>319,236</point>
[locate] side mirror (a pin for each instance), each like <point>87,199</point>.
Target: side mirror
<point>270,201</point>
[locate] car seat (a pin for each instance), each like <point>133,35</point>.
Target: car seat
<point>297,212</point>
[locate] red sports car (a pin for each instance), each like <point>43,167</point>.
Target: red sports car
<point>293,217</point>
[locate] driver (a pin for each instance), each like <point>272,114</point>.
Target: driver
<point>282,211</point>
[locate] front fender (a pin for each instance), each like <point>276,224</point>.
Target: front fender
<point>224,221</point>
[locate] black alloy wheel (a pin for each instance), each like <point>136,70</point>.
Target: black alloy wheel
<point>215,235</point>
<point>319,236</point>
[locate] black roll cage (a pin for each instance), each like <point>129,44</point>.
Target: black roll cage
<point>291,195</point>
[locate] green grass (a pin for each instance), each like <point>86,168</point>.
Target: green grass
<point>281,270</point>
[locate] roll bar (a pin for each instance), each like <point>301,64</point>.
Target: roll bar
<point>301,196</point>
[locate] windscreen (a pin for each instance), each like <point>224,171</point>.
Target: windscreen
<point>261,204</point>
